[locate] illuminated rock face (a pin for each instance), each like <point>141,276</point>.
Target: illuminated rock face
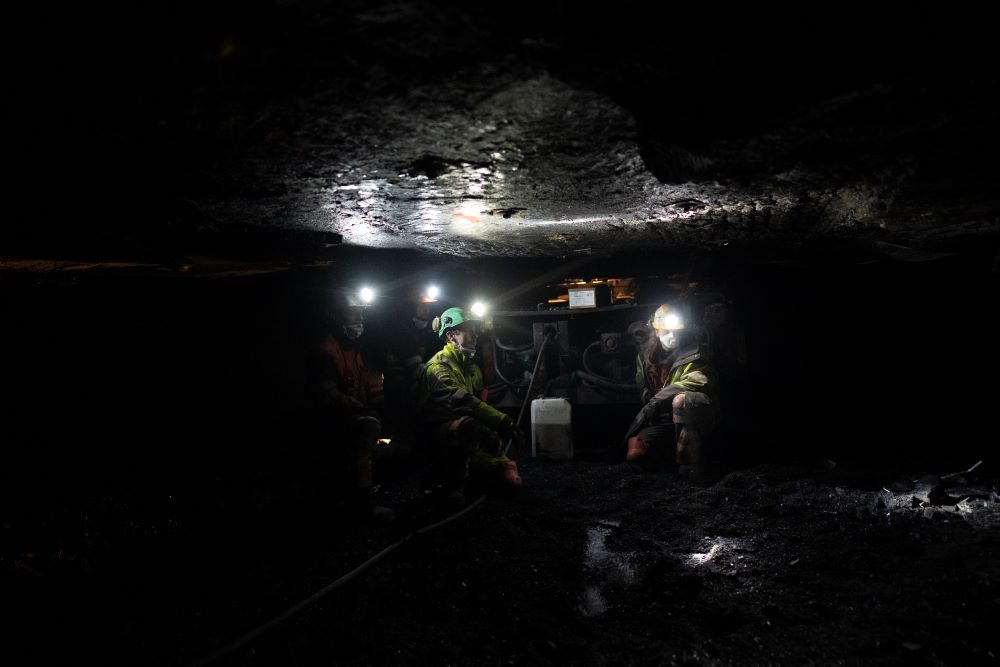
<point>832,170</point>
<point>518,130</point>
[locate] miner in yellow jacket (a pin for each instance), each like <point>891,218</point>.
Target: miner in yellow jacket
<point>679,390</point>
<point>465,431</point>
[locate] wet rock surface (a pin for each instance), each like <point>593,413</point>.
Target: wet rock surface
<point>589,563</point>
<point>411,125</point>
<point>304,133</point>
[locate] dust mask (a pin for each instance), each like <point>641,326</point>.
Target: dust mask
<point>469,352</point>
<point>668,341</point>
<point>353,331</point>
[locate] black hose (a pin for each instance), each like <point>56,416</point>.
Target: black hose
<point>496,367</point>
<point>291,611</point>
<point>513,348</point>
<point>583,357</point>
<point>607,384</point>
<point>598,379</point>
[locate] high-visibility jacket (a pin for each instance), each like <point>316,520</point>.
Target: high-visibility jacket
<point>662,375</point>
<point>452,387</point>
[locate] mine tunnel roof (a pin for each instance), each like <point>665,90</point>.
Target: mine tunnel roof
<point>511,130</point>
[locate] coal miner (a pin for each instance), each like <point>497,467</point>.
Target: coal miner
<point>347,396</point>
<point>679,391</point>
<point>466,432</point>
<point>411,344</point>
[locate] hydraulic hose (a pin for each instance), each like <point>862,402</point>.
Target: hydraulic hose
<point>583,357</point>
<point>607,384</point>
<point>598,379</point>
<point>496,367</point>
<point>513,348</point>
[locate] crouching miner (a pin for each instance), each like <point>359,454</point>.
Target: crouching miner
<point>678,391</point>
<point>466,432</point>
<point>347,395</point>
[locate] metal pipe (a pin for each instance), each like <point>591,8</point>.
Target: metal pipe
<point>527,397</point>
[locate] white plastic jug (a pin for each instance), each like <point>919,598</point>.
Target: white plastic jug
<point>551,429</point>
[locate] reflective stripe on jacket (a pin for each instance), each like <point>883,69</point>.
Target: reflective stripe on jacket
<point>452,386</point>
<point>662,376</point>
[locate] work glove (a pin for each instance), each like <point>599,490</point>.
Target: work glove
<point>506,427</point>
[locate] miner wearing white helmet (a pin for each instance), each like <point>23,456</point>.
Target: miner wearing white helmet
<point>679,392</point>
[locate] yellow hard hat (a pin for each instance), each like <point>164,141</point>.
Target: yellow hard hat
<point>667,319</point>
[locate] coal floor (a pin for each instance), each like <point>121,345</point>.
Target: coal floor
<point>590,563</point>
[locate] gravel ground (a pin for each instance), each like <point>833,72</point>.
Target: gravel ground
<point>590,563</point>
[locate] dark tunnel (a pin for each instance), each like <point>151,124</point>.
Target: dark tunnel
<point>193,183</point>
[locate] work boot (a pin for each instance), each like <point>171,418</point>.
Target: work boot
<point>688,447</point>
<point>637,449</point>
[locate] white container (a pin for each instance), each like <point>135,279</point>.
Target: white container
<point>551,429</point>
